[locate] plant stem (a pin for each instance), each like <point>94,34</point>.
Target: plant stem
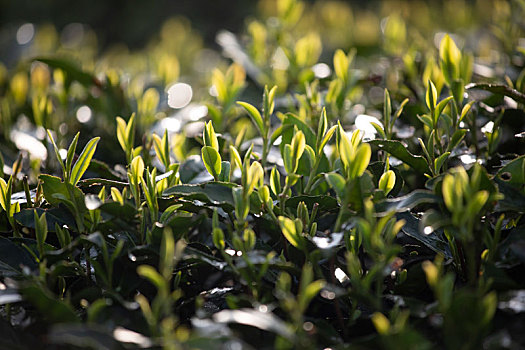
<point>311,177</point>
<point>265,151</point>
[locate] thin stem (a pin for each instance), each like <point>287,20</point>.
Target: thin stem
<point>311,177</point>
<point>27,192</point>
<point>264,151</point>
<point>282,197</point>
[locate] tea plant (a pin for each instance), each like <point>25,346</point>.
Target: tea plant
<point>372,198</point>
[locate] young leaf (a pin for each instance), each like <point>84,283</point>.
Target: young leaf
<point>288,230</point>
<point>235,157</point>
<point>341,63</point>
<point>465,110</point>
<point>162,149</point>
<point>116,195</point>
<point>149,273</point>
<point>361,160</point>
<point>439,109</point>
<point>5,194</point>
<point>64,238</point>
<point>212,161</point>
<point>275,181</point>
<point>298,146</point>
<point>476,203</point>
<point>311,155</point>
<point>287,159</point>
<point>209,136</point>
<point>57,153</point>
<point>321,128</point>
<point>439,161</point>
<point>325,139</point>
<point>400,110</point>
<point>83,161</point>
<point>381,323</point>
<point>268,101</point>
<point>218,238</point>
<point>137,168</point>
<point>387,181</point>
<point>427,120</point>
<point>255,177</point>
<point>242,207</point>
<point>70,155</point>
<point>456,138</point>
<point>310,292</point>
<point>450,58</point>
<point>254,114</point>
<point>346,150</point>
<point>40,231</point>
<point>337,182</point>
<point>449,193</point>
<point>431,96</point>
<point>379,130</point>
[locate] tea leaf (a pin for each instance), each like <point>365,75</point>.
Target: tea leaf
<point>254,114</point>
<point>431,96</point>
<point>450,57</point>
<point>438,162</point>
<point>288,230</point>
<point>398,150</point>
<point>83,161</point>
<point>71,154</point>
<point>337,182</point>
<point>387,181</point>
<point>57,153</point>
<point>212,161</point>
<point>361,160</point>
<point>341,64</point>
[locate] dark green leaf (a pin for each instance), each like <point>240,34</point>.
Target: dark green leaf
<point>432,240</point>
<point>404,203</point>
<point>398,150</point>
<point>53,216</point>
<point>13,258</point>
<point>52,186</point>
<point>50,308</point>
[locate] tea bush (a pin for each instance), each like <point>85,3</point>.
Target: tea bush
<point>342,178</point>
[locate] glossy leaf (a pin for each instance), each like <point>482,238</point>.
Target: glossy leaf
<point>212,161</point>
<point>289,231</point>
<point>83,161</point>
<point>398,150</point>
<point>387,181</point>
<point>254,114</point>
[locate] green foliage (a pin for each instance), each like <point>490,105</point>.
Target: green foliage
<point>296,215</point>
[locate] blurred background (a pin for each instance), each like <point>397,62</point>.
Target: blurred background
<point>73,66</point>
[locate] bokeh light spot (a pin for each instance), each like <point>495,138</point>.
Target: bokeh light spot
<point>179,95</point>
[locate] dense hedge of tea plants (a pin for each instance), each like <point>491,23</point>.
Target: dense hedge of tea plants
<point>332,177</point>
